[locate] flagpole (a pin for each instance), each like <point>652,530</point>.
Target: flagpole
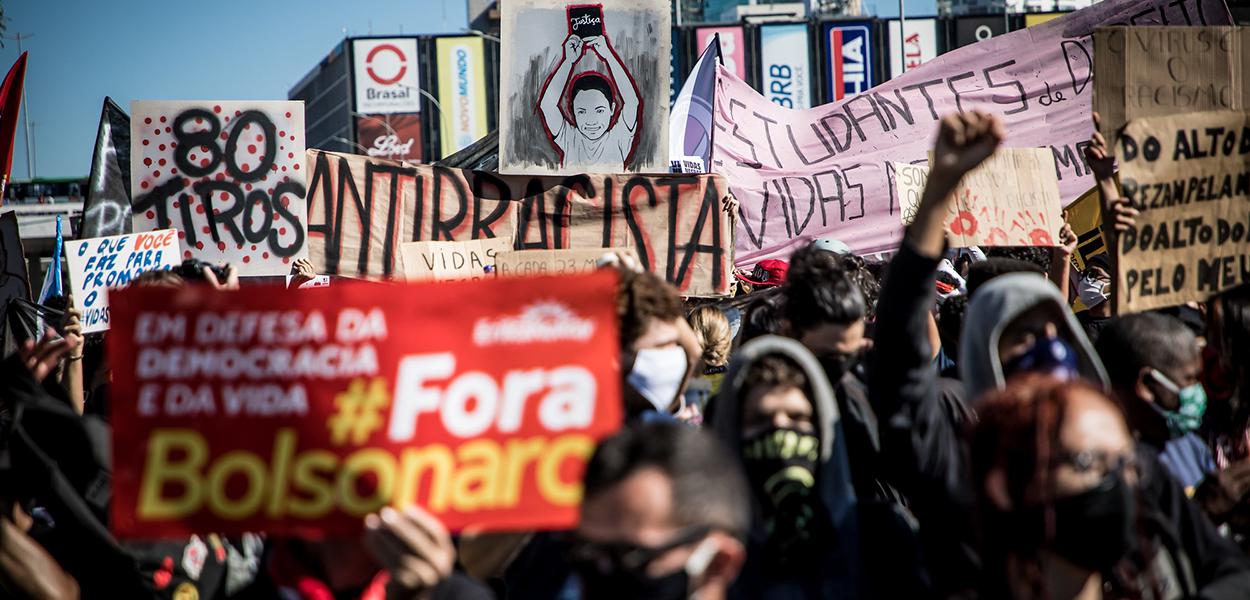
<point>25,111</point>
<point>903,38</point>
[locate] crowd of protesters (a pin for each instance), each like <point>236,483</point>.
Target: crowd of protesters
<point>941,425</point>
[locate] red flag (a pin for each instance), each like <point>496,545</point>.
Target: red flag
<point>10,104</point>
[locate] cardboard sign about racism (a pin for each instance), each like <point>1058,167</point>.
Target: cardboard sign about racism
<point>584,87</point>
<point>440,261</point>
<point>528,263</point>
<point>1158,71</point>
<point>1011,199</point>
<point>229,176</point>
<point>909,182</point>
<point>1189,175</point>
<point>361,210</point>
<point>805,174</point>
<point>300,412</point>
<point>97,264</point>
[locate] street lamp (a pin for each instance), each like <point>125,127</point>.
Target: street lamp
<point>481,34</point>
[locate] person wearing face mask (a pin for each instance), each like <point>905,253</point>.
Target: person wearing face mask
<point>1069,509</point>
<point>922,438</point>
<point>1094,290</point>
<point>777,413</point>
<point>659,351</point>
<point>664,513</point>
<point>1155,364</point>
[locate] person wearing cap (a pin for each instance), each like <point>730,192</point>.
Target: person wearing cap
<point>766,274</point>
<point>1094,290</point>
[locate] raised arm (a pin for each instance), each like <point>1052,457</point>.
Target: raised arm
<point>549,100</point>
<point>1117,214</point>
<point>629,93</point>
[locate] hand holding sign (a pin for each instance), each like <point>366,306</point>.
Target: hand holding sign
<point>414,548</point>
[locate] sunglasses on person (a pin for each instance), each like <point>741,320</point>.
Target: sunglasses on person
<point>615,557</point>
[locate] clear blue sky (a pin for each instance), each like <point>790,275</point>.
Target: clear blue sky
<point>84,50</point>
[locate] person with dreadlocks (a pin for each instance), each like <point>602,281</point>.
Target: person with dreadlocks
<point>1069,509</point>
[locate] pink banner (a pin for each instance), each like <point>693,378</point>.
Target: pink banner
<point>805,174</point>
<point>732,47</point>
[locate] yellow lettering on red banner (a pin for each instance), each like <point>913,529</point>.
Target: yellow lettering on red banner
<point>180,479</point>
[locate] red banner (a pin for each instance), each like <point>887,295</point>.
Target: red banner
<point>299,412</point>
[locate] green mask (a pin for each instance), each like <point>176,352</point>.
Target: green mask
<point>1193,403</point>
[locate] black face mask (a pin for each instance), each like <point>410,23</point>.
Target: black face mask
<point>624,585</point>
<point>781,466</point>
<point>1095,529</point>
<point>838,365</point>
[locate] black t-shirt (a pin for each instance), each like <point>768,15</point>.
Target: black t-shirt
<point>1092,325</point>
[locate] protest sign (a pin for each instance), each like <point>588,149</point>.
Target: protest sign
<point>97,264</point>
<point>1011,199</point>
<point>584,87</point>
<point>229,176</point>
<point>909,182</point>
<point>441,261</point>
<point>528,263</point>
<point>1157,71</point>
<point>298,413</point>
<point>361,210</point>
<point>1085,218</point>
<point>14,279</point>
<point>800,175</point>
<point>106,210</point>
<point>1189,175</point>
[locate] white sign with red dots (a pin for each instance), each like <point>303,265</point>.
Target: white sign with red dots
<point>229,176</point>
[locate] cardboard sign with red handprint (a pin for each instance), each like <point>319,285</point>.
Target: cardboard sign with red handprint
<point>1011,199</point>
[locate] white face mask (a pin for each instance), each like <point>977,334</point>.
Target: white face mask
<point>1092,291</point>
<point>657,375</point>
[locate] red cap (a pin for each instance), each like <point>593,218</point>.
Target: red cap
<point>767,272</point>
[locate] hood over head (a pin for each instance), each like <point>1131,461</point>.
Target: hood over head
<point>995,305</point>
<point>834,476</point>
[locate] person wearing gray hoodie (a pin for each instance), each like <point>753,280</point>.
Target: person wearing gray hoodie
<point>777,414</point>
<point>1014,324</point>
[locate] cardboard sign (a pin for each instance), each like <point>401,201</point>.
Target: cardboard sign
<point>528,263</point>
<point>1157,71</point>
<point>229,176</point>
<point>95,265</point>
<point>909,182</point>
<point>1085,217</point>
<point>799,175</point>
<point>361,210</point>
<point>584,87</point>
<point>1189,175</point>
<point>299,412</point>
<point>1011,199</point>
<point>14,279</point>
<point>441,261</point>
